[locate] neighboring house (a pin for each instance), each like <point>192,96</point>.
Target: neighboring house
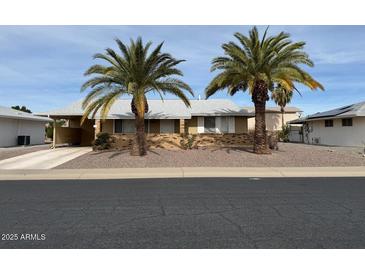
<point>164,117</point>
<point>273,117</point>
<point>343,126</point>
<point>14,123</point>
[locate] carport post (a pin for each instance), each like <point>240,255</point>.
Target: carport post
<point>54,134</point>
<point>97,127</point>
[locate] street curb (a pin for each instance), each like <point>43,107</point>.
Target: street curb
<point>181,172</point>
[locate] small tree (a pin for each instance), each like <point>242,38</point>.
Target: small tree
<point>135,71</point>
<point>22,108</point>
<point>281,97</point>
<point>256,65</point>
<point>284,133</point>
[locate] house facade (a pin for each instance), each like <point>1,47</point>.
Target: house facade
<point>14,123</point>
<point>273,117</point>
<point>343,126</point>
<point>216,116</point>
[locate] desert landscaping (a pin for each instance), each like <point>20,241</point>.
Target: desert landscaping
<point>288,155</point>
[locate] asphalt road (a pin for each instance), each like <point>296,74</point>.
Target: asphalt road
<point>184,213</point>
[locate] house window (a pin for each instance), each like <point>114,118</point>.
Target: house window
<point>347,122</point>
<point>129,126</point>
<point>224,124</point>
<point>124,126</point>
<point>118,126</point>
<point>167,126</point>
<point>328,123</point>
<point>209,124</point>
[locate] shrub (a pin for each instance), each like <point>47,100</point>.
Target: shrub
<point>103,141</point>
<point>49,132</point>
<point>188,142</point>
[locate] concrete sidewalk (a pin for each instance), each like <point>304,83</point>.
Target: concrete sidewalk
<point>44,159</point>
<point>185,172</point>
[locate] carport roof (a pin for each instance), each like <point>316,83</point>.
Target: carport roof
<point>158,109</point>
<point>357,109</point>
<point>354,110</point>
<point>10,113</point>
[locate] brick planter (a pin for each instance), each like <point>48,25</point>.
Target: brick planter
<point>178,141</point>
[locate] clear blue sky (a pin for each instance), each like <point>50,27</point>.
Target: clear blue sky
<point>42,66</point>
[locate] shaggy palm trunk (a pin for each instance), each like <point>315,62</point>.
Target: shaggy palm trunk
<point>139,146</point>
<point>259,98</point>
<point>282,117</point>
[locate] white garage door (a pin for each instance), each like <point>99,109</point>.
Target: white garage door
<point>11,128</point>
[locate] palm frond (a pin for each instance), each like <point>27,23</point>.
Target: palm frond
<point>134,70</point>
<point>276,60</point>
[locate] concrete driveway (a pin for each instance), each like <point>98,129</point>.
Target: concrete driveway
<point>45,159</point>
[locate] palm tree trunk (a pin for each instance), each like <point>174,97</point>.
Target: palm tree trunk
<point>259,98</point>
<point>282,117</point>
<point>139,146</point>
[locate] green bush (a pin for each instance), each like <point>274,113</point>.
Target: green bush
<point>284,133</point>
<point>49,132</point>
<point>103,141</point>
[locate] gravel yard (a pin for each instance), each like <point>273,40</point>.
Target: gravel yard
<point>298,155</point>
<point>10,152</point>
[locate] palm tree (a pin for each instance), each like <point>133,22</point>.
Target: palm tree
<point>256,65</point>
<point>136,71</point>
<point>281,97</point>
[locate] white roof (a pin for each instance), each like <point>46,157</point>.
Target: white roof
<point>10,113</point>
<point>354,110</point>
<point>217,107</point>
<point>288,109</point>
<point>158,109</point>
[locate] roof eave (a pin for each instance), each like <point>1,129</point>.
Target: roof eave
<point>40,119</point>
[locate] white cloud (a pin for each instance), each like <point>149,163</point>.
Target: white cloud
<point>339,57</point>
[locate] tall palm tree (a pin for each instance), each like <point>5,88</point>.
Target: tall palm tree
<point>256,65</point>
<point>135,71</point>
<point>281,97</point>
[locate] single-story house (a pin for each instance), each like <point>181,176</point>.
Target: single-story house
<point>273,117</point>
<point>344,126</point>
<point>213,116</point>
<point>14,123</point>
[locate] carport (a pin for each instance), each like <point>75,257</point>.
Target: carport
<point>72,132</point>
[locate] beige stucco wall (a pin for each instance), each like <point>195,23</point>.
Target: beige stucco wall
<point>337,135</point>
<point>273,120</point>
<point>191,125</point>
<point>87,132</point>
<point>74,122</point>
<point>107,126</point>
<point>68,135</point>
